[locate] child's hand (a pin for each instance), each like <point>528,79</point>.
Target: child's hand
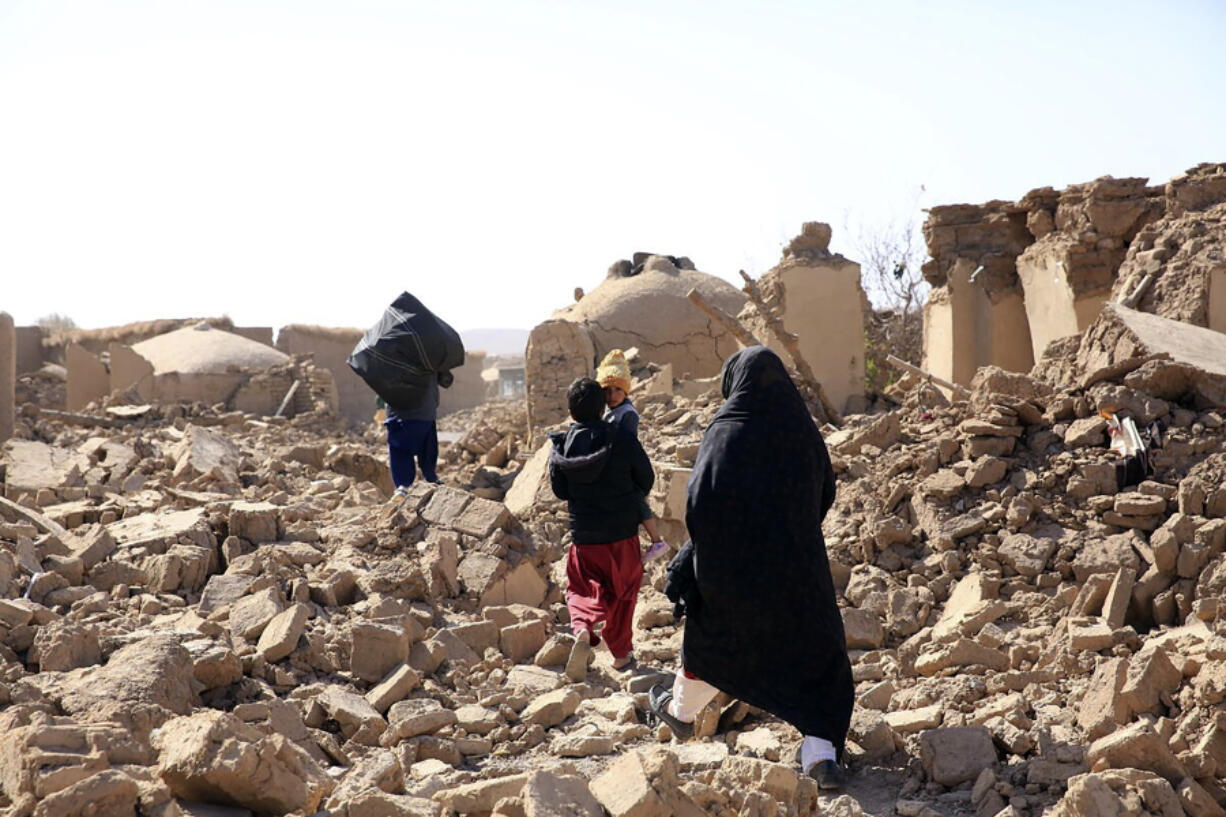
<point>656,550</point>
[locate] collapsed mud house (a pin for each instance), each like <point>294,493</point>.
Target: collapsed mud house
<point>198,598</point>
<point>645,304</point>
<point>1010,278</point>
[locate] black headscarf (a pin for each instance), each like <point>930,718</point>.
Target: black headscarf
<point>766,626</point>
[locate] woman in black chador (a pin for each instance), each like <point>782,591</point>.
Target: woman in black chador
<point>761,620</point>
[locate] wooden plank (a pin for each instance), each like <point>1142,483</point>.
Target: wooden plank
<point>289,395</point>
<point>916,370</point>
<point>743,336</point>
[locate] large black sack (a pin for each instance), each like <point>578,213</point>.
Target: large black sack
<point>399,355</point>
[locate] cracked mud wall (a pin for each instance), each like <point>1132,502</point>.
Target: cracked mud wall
<point>820,300</point>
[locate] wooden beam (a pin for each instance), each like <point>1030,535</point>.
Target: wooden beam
<point>289,395</point>
<point>75,418</point>
<point>918,372</point>
<point>734,327</point>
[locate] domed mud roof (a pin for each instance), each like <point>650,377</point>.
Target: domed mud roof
<point>202,349</point>
<point>650,311</point>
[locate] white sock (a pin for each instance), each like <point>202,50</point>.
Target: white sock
<point>690,695</point>
<point>814,750</point>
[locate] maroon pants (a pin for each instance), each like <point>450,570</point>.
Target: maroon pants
<point>604,586</point>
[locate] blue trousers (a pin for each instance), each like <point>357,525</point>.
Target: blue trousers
<point>407,439</point>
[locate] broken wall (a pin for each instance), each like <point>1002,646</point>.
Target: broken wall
<point>1180,259</point>
<point>260,334</point>
<point>130,370</point>
<point>88,379</point>
<point>1054,253</point>
<point>29,349</point>
<point>558,352</point>
<point>330,347</point>
<point>818,296</point>
<point>994,320</point>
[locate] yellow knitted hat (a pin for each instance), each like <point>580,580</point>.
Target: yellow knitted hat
<point>614,371</point>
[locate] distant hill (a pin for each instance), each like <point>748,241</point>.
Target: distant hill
<point>496,341</point>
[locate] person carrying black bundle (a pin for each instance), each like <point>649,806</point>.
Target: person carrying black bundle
<point>404,358</point>
<point>761,620</point>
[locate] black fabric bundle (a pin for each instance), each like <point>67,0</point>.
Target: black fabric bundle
<point>409,345</point>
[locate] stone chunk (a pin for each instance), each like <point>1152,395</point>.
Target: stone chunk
<point>142,685</point>
<point>377,649</point>
<point>1102,709</point>
<point>109,792</point>
<point>872,733</point>
<point>960,653</point>
<point>281,635</point>
<point>1090,635</point>
<point>582,745</point>
<point>775,779</point>
<point>1086,432</point>
<point>1123,340</point>
<point>906,721</point>
<point>624,790</point>
<point>1105,555</point>
<point>481,517</point>
<point>957,754</point>
<point>1196,801</point>
<point>251,614</point>
<point>256,522</point>
<point>551,708</point>
<point>862,628</point>
<point>30,466</point>
<point>214,757</point>
<point>521,642</point>
<point>1136,746</point>
<point>90,545</point>
<point>943,485</point>
<point>986,471</point>
<point>1027,554</point>
<point>398,684</point>
<point>760,742</point>
<point>445,506</point>
<point>206,457</point>
<point>62,645</point>
<point>417,716</point>
<point>1150,675</point>
<point>546,794</point>
<point>1115,606</point>
<point>1134,503</point>
<point>223,590</point>
<point>357,719</point>
<point>480,797</point>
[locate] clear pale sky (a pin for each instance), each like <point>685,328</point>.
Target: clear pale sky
<point>305,161</point>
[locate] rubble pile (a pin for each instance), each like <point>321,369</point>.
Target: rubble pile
<point>211,611</point>
<point>1183,254</point>
<point>1027,631</point>
<point>203,606</point>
